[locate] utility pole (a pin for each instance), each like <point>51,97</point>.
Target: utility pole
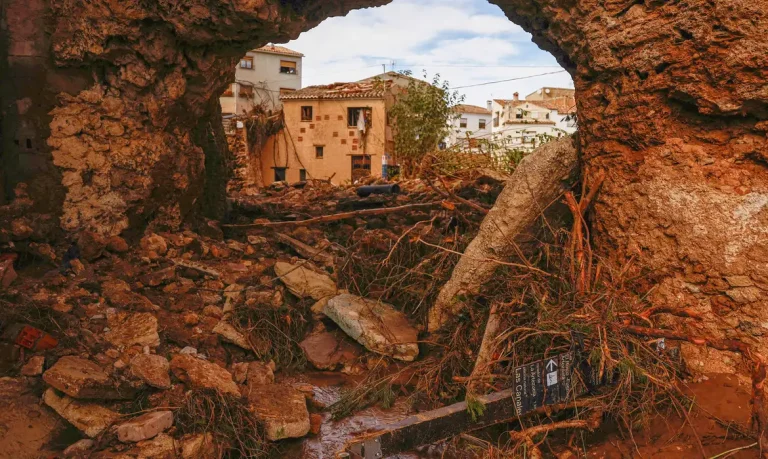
<point>393,66</point>
<point>384,67</point>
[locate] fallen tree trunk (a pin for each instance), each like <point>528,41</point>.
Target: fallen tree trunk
<point>538,180</point>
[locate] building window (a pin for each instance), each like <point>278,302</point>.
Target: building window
<point>353,116</point>
<point>302,175</point>
<point>481,124</point>
<point>519,114</point>
<point>246,63</point>
<point>547,115</point>
<point>279,174</point>
<point>246,92</point>
<point>230,91</point>
<point>463,123</point>
<point>288,67</point>
<point>495,121</point>
<point>306,113</point>
<point>319,150</point>
<point>284,91</point>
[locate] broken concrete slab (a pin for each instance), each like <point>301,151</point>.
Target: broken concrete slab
<point>144,427</point>
<point>152,369</point>
<point>89,418</point>
<point>127,329</point>
<point>282,409</point>
<point>304,282</point>
<point>83,379</point>
<point>328,350</point>
<point>377,326</point>
<point>199,374</point>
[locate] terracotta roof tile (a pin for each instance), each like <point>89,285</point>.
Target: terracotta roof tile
<point>359,90</point>
<point>471,109</point>
<point>275,49</point>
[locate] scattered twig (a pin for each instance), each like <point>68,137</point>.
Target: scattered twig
<point>336,217</point>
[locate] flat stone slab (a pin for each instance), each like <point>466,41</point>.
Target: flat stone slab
<point>82,379</point>
<point>199,374</point>
<point>377,326</point>
<point>127,329</point>
<point>230,334</point>
<point>304,282</point>
<point>282,409</point>
<point>328,350</point>
<point>144,427</point>
<point>89,418</point>
<point>152,369</point>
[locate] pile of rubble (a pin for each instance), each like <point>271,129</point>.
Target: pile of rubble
<point>115,333</point>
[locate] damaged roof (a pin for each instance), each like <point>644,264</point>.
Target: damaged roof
<point>358,90</point>
<point>275,49</point>
<point>471,109</point>
<point>563,105</point>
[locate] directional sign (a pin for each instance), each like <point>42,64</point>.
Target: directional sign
<point>544,382</point>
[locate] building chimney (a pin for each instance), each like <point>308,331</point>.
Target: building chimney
<point>516,96</point>
<point>489,104</point>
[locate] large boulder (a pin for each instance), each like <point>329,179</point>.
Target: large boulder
<point>282,409</point>
<point>377,326</point>
<point>199,374</point>
<point>304,282</point>
<point>83,379</point>
<point>127,329</point>
<point>89,418</point>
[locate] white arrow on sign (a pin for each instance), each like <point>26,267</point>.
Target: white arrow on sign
<point>551,365</point>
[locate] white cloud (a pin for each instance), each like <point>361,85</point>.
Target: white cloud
<point>467,42</point>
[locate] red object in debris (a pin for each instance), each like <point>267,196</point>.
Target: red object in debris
<point>32,338</point>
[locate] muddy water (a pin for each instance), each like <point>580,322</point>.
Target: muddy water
<point>327,388</point>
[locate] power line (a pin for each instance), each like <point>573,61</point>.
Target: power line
<point>509,79</point>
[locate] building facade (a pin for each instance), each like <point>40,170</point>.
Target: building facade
<point>525,123</point>
<point>261,76</point>
<point>471,122</point>
<point>335,132</point>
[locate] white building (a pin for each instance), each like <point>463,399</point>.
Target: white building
<point>471,122</point>
<point>523,124</point>
<point>261,76</point>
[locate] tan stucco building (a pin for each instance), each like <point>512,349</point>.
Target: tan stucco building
<point>338,132</point>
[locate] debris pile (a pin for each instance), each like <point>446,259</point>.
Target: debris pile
<point>131,341</point>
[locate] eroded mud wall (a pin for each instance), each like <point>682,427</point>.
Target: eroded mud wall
<point>672,105</point>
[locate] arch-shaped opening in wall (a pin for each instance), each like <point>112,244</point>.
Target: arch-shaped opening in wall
<point>118,127</point>
<point>503,94</point>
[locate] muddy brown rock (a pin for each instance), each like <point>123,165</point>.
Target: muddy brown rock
<point>33,367</point>
<point>199,374</point>
<point>282,409</point>
<point>90,418</point>
<point>328,350</point>
<point>82,379</point>
<point>127,329</point>
<point>144,427</point>
<point>152,369</point>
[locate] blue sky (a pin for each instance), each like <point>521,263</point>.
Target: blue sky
<point>465,41</point>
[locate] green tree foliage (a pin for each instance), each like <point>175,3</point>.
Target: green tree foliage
<point>422,116</point>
